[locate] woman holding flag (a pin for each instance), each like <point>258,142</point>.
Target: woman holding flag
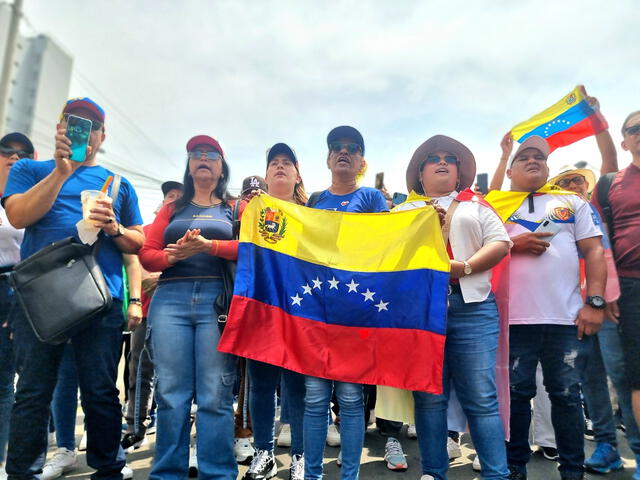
<point>346,162</point>
<point>283,182</point>
<point>441,171</point>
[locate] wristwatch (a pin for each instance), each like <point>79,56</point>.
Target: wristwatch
<point>467,268</point>
<point>120,231</point>
<point>596,301</point>
<point>135,300</point>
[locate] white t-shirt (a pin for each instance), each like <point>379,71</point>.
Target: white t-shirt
<point>545,289</point>
<point>10,240</point>
<point>473,225</point>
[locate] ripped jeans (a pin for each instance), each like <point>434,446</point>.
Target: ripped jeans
<point>563,359</point>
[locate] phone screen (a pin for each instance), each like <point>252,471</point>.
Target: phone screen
<point>379,180</point>
<point>78,131</point>
<point>483,182</point>
<point>398,198</point>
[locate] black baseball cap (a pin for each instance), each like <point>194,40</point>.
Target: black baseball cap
<point>346,131</point>
<point>166,187</point>
<point>281,149</point>
<point>254,182</point>
<point>18,137</point>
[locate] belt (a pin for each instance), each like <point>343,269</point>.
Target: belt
<point>454,288</point>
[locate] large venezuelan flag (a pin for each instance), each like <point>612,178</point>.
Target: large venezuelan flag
<point>352,297</point>
<point>569,120</point>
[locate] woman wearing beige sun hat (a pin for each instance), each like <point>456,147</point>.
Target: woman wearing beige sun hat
<point>441,171</point>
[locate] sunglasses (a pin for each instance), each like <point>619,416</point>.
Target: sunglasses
<point>565,182</point>
<point>95,124</point>
<point>435,159</point>
<point>351,147</point>
<point>9,152</point>
<point>208,155</point>
<point>635,130</point>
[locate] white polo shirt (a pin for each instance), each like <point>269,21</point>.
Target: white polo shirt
<point>545,289</point>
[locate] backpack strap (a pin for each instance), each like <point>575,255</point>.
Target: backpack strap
<point>313,199</point>
<point>603,187</point>
<point>235,220</point>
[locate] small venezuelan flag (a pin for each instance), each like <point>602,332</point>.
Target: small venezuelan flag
<point>566,122</point>
<point>352,297</point>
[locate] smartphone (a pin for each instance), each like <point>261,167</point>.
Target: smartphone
<point>78,131</point>
<point>398,198</point>
<point>550,227</point>
<point>483,182</point>
<point>379,180</point>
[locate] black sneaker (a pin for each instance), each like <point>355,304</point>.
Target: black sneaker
<point>550,453</point>
<point>588,430</point>
<point>263,466</point>
<point>131,442</point>
<point>516,473</point>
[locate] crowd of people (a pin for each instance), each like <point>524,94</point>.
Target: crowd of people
<point>565,248</point>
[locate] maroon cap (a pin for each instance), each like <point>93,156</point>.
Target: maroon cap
<point>86,103</point>
<point>204,140</point>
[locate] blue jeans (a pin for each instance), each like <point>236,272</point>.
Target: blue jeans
<point>96,350</point>
<point>184,334</point>
<point>316,406</point>
<point>563,358</point>
<point>64,406</point>
<point>470,363</point>
<point>596,395</point>
<point>263,380</point>
<point>629,303</point>
<point>7,366</point>
<point>597,399</point>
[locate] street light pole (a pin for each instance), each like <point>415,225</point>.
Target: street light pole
<point>7,65</point>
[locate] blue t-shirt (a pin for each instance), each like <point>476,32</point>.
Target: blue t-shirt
<point>363,200</point>
<point>60,221</point>
<point>214,224</point>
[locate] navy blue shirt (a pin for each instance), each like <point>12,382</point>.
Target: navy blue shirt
<point>60,221</point>
<point>214,224</point>
<point>362,200</point>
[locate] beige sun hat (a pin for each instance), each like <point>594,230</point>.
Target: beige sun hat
<point>567,170</point>
<point>442,143</point>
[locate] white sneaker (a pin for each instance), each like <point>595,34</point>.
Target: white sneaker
<point>243,450</point>
<point>427,477</point>
<point>453,449</point>
<point>127,473</point>
<point>193,463</point>
<point>296,471</point>
<point>333,436</point>
<point>83,442</point>
<point>339,459</point>
<point>63,461</point>
<point>284,437</point>
<point>411,431</point>
<point>476,464</point>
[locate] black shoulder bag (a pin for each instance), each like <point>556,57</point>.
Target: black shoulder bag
<point>603,187</point>
<point>61,287</point>
<point>223,301</point>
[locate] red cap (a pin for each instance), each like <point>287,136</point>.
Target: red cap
<point>204,140</point>
<point>85,103</point>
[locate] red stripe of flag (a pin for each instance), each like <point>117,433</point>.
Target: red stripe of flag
<point>404,358</point>
<point>591,125</point>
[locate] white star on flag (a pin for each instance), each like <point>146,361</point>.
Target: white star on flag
<point>307,289</point>
<point>382,306</point>
<point>296,300</point>
<point>352,286</point>
<point>333,283</point>
<point>368,295</point>
<point>317,283</point>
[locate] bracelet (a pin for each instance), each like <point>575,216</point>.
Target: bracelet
<point>135,300</point>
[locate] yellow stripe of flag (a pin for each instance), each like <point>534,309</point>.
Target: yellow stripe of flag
<point>362,242</point>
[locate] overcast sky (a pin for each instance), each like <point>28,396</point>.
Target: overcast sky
<point>255,73</point>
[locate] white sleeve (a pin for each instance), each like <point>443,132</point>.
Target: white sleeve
<point>587,224</point>
<point>493,229</point>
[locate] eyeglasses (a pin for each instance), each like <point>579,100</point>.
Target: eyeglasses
<point>435,159</point>
<point>565,182</point>
<point>351,147</point>
<point>9,152</point>
<point>207,154</point>
<point>95,124</point>
<point>634,130</point>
